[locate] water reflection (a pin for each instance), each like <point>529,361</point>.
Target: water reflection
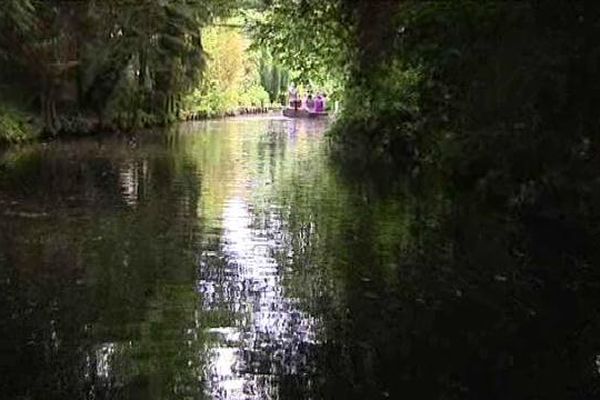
<point>269,335</point>
<point>96,279</point>
<point>232,260</point>
<point>131,175</point>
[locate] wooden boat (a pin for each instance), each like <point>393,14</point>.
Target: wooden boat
<point>303,113</point>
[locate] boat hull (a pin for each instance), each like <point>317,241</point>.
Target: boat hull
<point>300,113</point>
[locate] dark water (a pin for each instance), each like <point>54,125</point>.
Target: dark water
<point>234,260</point>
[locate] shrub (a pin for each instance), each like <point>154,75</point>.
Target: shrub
<point>14,126</point>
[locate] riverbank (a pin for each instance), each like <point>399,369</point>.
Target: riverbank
<point>20,127</point>
<point>199,116</point>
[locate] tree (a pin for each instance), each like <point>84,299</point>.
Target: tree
<point>233,74</point>
<point>108,57</point>
<point>312,40</point>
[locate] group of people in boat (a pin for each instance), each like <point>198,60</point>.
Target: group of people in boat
<point>309,102</point>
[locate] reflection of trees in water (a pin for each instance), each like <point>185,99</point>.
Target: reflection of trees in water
<point>94,294</point>
<point>312,284</point>
<point>431,297</point>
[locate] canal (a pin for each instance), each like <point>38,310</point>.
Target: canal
<point>236,260</point>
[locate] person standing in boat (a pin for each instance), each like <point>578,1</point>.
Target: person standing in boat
<point>293,94</point>
<point>310,102</point>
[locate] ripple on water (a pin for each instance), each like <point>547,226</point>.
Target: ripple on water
<point>271,334</point>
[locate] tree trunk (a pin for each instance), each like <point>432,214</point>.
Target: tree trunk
<point>374,21</point>
<point>48,104</point>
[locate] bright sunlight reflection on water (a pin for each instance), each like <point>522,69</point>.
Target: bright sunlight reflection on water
<point>271,334</point>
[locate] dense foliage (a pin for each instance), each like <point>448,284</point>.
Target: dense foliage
<point>446,84</point>
<point>232,77</point>
<point>15,126</point>
<point>310,39</point>
<point>124,63</point>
